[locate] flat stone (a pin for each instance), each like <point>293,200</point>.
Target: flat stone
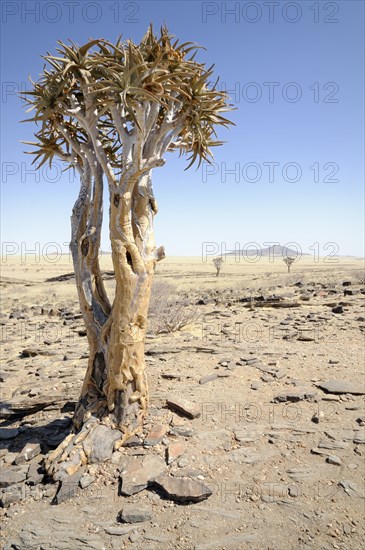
<point>340,434</point>
<point>331,397</point>
<point>184,431</point>
<point>174,451</point>
<point>182,489</point>
<point>69,487</point>
<point>86,480</point>
<point>118,531</point>
<point>32,352</point>
<point>267,378</point>
<point>342,386</point>
<point>133,441</point>
<point>279,374</point>
<point>28,452</point>
<point>359,437</point>
<point>171,376</point>
<point>138,473</point>
<point>35,474</point>
<point>208,378</point>
<point>8,433</point>
<point>184,407</point>
<point>318,451</point>
<point>332,459</point>
<point>155,435</point>
<point>292,397</point>
<point>337,309</point>
<point>298,474</point>
<point>99,444</point>
<point>351,488</point>
<point>131,513</point>
<point>248,435</point>
<point>255,386</point>
<point>332,444</point>
<point>13,475</point>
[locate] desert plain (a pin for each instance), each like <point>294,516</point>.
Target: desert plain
<point>270,371</point>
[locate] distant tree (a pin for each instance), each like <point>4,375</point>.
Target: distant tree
<point>218,263</point>
<point>288,261</point>
<point>112,112</point>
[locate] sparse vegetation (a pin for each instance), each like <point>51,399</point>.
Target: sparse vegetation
<point>359,277</point>
<point>218,264</point>
<point>167,313</point>
<point>288,260</point>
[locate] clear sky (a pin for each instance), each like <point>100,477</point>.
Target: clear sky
<point>292,169</point>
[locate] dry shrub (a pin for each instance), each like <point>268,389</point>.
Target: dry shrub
<point>167,313</point>
<point>359,277</point>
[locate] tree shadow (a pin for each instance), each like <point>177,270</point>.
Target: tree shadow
<point>48,433</point>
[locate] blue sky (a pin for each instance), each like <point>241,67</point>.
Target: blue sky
<point>292,169</point>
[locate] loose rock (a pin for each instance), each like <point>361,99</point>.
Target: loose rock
<point>11,476</point>
<point>99,444</point>
<point>342,386</point>
<point>155,435</point>
<point>35,474</point>
<point>134,514</point>
<point>208,378</point>
<point>138,473</point>
<point>69,486</point>
<point>332,459</point>
<point>174,451</point>
<point>184,407</point>
<point>182,489</point>
<point>29,451</point>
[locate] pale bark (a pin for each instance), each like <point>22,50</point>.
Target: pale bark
<point>115,390</point>
<point>115,384</point>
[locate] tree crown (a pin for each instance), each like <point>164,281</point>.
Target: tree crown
<point>131,102</point>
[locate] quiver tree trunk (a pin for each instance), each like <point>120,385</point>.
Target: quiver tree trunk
<point>115,391</point>
<point>115,385</point>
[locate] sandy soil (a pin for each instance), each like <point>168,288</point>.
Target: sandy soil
<point>284,459</point>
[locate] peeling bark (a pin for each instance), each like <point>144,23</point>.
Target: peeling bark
<point>115,383</point>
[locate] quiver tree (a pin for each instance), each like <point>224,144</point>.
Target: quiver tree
<point>218,263</point>
<point>111,112</point>
<point>288,261</point>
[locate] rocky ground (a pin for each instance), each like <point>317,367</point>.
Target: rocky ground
<point>255,434</point>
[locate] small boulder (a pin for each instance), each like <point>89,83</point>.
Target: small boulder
<point>132,513</point>
<point>99,443</point>
<point>13,475</point>
<point>182,489</point>
<point>184,407</point>
<point>155,435</point>
<point>342,386</point>
<point>138,473</point>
